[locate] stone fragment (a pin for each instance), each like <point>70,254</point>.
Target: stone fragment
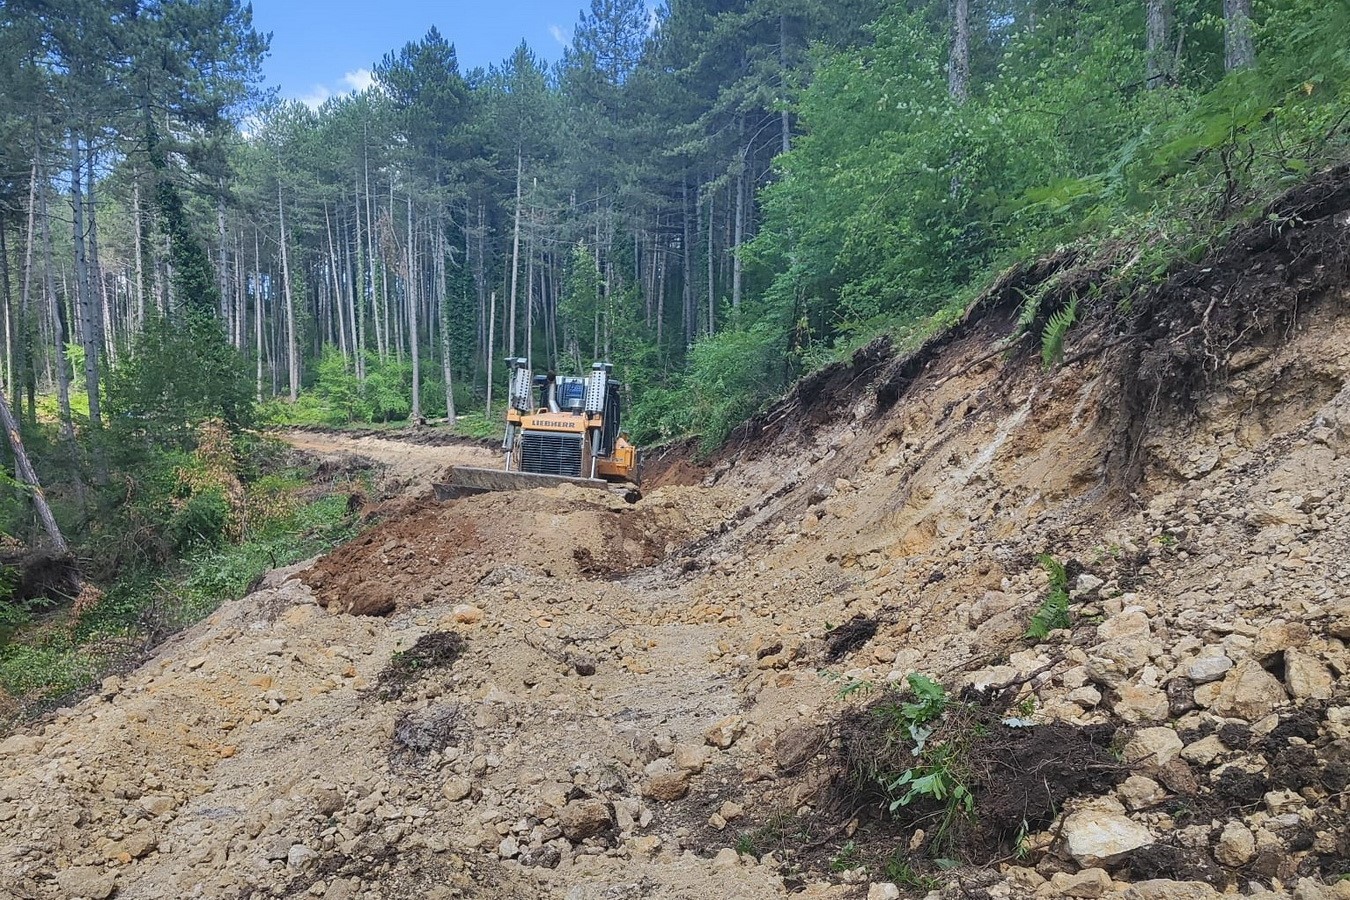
<point>300,858</point>
<point>667,786</point>
<point>1306,676</point>
<point>1089,883</point>
<point>883,890</point>
<point>1236,845</point>
<point>1208,668</point>
<point>581,819</point>
<point>1141,703</point>
<point>690,757</point>
<point>726,859</point>
<point>86,881</point>
<point>1099,835</point>
<point>466,614</point>
<point>1140,792</point>
<point>1204,751</point>
<point>157,804</point>
<point>1278,637</point>
<point>1248,692</point>
<point>795,745</point>
<point>1165,889</point>
<point>456,789</point>
<point>1150,749</point>
<point>723,733</point>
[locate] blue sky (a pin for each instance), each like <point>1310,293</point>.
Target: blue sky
<point>324,48</point>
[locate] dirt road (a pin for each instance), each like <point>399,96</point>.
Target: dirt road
<point>412,466</point>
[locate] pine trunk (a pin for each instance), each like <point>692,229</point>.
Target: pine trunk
<point>1158,43</point>
<point>958,65</point>
<point>1238,50</point>
<point>292,349</point>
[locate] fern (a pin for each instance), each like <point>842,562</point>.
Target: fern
<point>1054,609</point>
<point>1052,339</point>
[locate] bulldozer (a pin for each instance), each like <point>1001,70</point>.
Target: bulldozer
<point>559,429</point>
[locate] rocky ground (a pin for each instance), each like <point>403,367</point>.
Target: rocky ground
<point>557,693</point>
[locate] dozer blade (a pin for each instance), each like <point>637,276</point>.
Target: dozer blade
<point>465,480</point>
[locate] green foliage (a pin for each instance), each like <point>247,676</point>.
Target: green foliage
<point>1056,327</point>
<point>180,372</point>
<point>1054,609</point>
<point>937,773</point>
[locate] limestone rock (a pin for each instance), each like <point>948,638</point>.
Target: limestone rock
<point>1248,692</point>
<point>1236,845</point>
<point>1152,748</point>
<point>1307,677</point>
<point>883,890</point>
<point>1280,636</point>
<point>1208,668</point>
<point>1098,835</point>
<point>690,757</point>
<point>1204,751</point>
<point>466,614</point>
<point>1140,703</point>
<point>1141,792</point>
<point>301,858</point>
<point>795,745</point>
<point>581,819</point>
<point>457,789</point>
<point>667,786</point>
<point>723,733</point>
<point>1163,889</point>
<point>1089,883</point>
<point>86,881</point>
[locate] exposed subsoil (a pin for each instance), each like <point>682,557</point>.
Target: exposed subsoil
<point>556,693</point>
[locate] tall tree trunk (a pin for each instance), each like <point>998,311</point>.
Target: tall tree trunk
<point>27,371</point>
<point>355,307</point>
<point>712,273</point>
<point>687,316</point>
<point>292,348</point>
<point>24,468</point>
<point>442,304</point>
<point>785,123</point>
<point>740,227</point>
<point>337,286</point>
<point>412,320</point>
<point>515,261</point>
<point>88,316</point>
<point>5,289</point>
<point>958,64</point>
<point>1158,41</point>
<point>136,240</point>
<point>104,336</point>
<point>1238,50</point>
<point>492,336</point>
<point>258,310</point>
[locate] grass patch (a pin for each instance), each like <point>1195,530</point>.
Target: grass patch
<point>47,664</point>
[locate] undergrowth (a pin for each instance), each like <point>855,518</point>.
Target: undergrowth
<point>68,651</point>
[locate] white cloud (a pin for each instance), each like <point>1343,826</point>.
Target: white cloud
<point>358,79</point>
<point>355,81</point>
<point>315,96</point>
<point>558,34</point>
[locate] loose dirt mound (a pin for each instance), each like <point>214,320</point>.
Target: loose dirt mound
<point>439,552</point>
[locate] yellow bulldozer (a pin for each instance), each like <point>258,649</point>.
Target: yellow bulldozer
<point>559,428</point>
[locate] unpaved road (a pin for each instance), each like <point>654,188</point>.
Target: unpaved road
<point>414,466</point>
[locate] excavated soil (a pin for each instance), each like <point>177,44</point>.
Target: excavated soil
<point>555,693</point>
